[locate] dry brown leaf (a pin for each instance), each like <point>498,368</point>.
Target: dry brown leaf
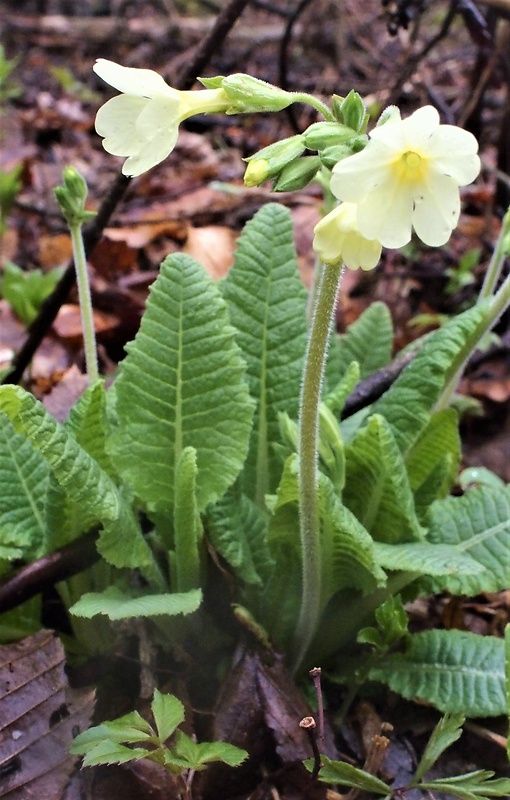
<point>66,393</point>
<point>68,323</point>
<point>39,716</point>
<point>213,247</point>
<point>137,236</point>
<point>55,250</point>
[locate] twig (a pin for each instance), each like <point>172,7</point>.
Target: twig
<point>57,566</point>
<point>315,674</point>
<point>309,725</point>
<point>50,308</point>
<point>283,59</point>
<point>225,20</point>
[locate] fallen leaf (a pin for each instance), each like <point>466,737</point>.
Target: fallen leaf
<point>67,325</point>
<point>39,716</point>
<point>212,246</point>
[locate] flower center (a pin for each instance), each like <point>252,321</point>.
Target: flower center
<point>412,161</point>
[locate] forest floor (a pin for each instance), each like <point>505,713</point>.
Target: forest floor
<point>195,202</point>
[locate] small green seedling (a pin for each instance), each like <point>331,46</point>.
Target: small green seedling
<point>110,742</point>
<point>9,89</point>
<point>478,785</point>
<point>26,291</point>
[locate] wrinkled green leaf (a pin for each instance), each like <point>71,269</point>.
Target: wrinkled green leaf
<point>267,304</point>
<point>83,480</point>
<point>181,385</point>
<point>408,404</point>
<point>116,604</point>
<point>478,524</point>
<point>377,489</point>
<point>369,341</point>
<point>426,559</point>
<point>24,484</point>
<point>457,671</point>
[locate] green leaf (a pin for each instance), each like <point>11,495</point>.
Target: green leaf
<point>408,404</point>
<point>446,732</point>
<point>181,385</point>
<point>267,304</point>
<point>129,728</point>
<point>426,559</point>
<point>507,679</point>
<point>348,558</point>
<point>117,604</point>
<point>87,423</point>
<point>237,529</point>
<point>187,523</point>
<point>478,524</point>
<point>347,775</point>
<point>377,490</point>
<point>198,755</point>
<point>168,713</point>
<point>476,785</point>
<point>456,671</point>
<point>336,397</point>
<point>84,482</point>
<point>369,341</point>
<point>433,460</point>
<point>108,752</point>
<point>24,484</point>
<point>121,542</point>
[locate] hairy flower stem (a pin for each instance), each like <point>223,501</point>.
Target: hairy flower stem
<point>309,521</point>
<point>87,319</point>
<point>501,250</point>
<point>500,303</point>
<point>309,99</point>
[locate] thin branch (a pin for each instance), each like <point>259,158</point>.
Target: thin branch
<point>57,566</point>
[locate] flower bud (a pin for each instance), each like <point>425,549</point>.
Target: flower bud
<point>325,134</point>
<point>71,196</point>
<point>269,162</point>
<point>332,155</point>
<point>248,94</point>
<point>297,174</point>
<point>390,114</point>
<point>353,112</point>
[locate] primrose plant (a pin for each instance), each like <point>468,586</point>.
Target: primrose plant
<point>221,441</point>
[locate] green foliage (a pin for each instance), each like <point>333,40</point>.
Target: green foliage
<point>181,385</point>
<point>164,743</point>
<point>196,440</point>
<point>479,785</point>
<point>9,89</point>
<point>10,186</point>
<point>267,302</point>
<point>457,671</point>
<point>26,291</point>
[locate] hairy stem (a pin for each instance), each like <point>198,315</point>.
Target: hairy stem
<point>309,521</point>
<point>87,316</point>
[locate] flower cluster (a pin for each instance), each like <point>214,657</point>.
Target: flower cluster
<point>407,177</point>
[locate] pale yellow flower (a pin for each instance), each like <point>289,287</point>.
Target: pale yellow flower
<point>337,238</point>
<point>408,177</point>
<point>142,123</point>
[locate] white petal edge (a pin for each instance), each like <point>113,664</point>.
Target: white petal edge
<point>116,122</point>
<point>129,80</point>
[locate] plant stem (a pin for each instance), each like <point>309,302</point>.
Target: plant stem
<point>322,108</point>
<point>497,260</point>
<point>309,521</point>
<point>87,318</point>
